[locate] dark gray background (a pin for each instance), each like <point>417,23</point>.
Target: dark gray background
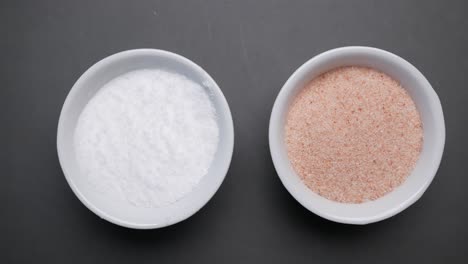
<point>250,48</point>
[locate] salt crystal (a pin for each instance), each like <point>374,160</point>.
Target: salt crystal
<point>353,134</point>
<point>147,137</point>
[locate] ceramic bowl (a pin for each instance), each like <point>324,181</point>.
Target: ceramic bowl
<point>85,88</point>
<point>427,103</point>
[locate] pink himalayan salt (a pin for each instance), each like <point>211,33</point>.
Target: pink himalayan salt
<point>353,134</point>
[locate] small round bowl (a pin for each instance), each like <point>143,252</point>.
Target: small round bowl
<point>85,88</point>
<point>430,111</point>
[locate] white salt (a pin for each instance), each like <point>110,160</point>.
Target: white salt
<point>147,137</point>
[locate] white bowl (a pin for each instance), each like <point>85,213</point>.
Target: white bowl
<point>86,87</point>
<point>430,110</point>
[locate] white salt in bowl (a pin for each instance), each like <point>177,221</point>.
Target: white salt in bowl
<point>430,110</point>
<point>122,213</point>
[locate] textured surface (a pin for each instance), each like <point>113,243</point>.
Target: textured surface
<point>147,138</point>
<point>353,134</point>
<point>250,48</point>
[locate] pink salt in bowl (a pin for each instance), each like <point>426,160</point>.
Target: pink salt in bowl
<point>427,104</point>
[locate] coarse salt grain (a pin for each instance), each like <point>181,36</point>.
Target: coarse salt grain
<point>147,137</point>
<point>353,134</point>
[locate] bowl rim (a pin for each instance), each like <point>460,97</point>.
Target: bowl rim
<point>286,90</point>
<point>115,58</point>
